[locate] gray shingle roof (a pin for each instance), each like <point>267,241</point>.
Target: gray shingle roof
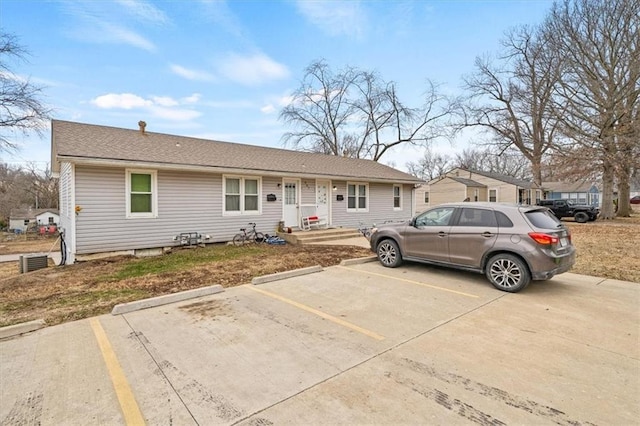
<point>567,186</point>
<point>504,178</point>
<point>468,182</point>
<point>79,142</point>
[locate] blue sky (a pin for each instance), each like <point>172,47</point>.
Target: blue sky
<point>223,69</point>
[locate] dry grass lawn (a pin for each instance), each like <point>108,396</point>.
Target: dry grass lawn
<point>85,289</point>
<point>58,294</point>
<point>608,249</point>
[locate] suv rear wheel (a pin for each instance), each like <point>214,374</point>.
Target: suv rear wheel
<point>389,254</point>
<point>507,272</point>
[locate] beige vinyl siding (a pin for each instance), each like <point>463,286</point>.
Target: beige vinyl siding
<point>507,193</point>
<point>447,191</point>
<point>419,196</point>
<point>187,202</point>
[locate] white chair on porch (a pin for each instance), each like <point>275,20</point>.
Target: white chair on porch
<point>309,218</point>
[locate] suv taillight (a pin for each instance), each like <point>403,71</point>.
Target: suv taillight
<point>544,239</point>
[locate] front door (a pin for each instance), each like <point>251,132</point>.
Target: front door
<point>290,205</point>
<point>322,200</point>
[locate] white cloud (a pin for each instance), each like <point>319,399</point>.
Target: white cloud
<point>219,12</point>
<point>268,109</point>
<point>274,102</point>
<point>101,22</point>
<point>285,100</point>
<point>117,34</point>
<point>195,98</point>
<point>144,11</point>
<point>164,101</point>
<point>158,106</point>
<point>252,70</point>
<point>122,101</point>
<point>335,18</point>
<point>190,74</point>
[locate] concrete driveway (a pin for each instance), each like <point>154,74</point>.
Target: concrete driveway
<point>357,344</point>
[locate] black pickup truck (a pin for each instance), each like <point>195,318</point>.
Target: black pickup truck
<point>570,208</point>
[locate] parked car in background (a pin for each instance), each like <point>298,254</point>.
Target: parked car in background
<point>510,244</point>
<point>635,200</point>
<point>571,208</point>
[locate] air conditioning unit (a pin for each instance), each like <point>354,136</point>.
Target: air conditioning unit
<point>32,262</point>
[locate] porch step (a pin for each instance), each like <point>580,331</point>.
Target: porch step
<point>320,235</point>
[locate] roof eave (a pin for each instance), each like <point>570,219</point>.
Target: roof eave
<point>108,162</point>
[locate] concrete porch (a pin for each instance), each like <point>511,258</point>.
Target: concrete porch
<point>345,236</point>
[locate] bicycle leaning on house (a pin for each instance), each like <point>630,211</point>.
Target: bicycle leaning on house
<point>250,236</point>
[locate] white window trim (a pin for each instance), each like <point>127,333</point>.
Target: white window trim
<point>154,194</point>
<point>242,211</point>
<point>427,197</point>
<point>399,208</point>
<point>356,209</point>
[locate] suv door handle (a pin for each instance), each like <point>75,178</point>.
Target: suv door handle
<point>487,234</point>
<point>442,234</point>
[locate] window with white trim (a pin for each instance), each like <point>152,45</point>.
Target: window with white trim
<point>397,197</point>
<point>493,195</point>
<point>142,194</point>
<point>426,197</point>
<point>241,195</point>
<point>357,197</point>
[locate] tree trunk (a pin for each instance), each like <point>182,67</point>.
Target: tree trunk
<point>624,191</point>
<point>536,170</point>
<point>607,210</point>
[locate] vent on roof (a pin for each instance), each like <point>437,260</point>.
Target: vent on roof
<point>142,125</point>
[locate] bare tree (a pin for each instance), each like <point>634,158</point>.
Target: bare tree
<point>20,107</point>
<point>510,97</point>
<point>597,42</point>
<point>357,114</point>
<point>389,123</point>
<point>24,187</point>
<point>431,165</point>
<point>509,162</point>
<point>320,111</point>
<point>41,186</point>
<point>572,162</point>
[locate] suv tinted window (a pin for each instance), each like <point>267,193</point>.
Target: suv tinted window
<point>477,217</point>
<point>542,219</point>
<point>435,217</point>
<point>503,220</point>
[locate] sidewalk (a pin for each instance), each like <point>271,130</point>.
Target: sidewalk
<point>55,255</point>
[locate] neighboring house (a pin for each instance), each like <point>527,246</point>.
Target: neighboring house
<point>582,192</point>
<point>22,219</point>
<point>131,190</point>
<point>461,184</point>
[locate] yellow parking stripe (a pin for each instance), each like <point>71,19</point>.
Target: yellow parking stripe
<point>413,282</point>
<point>318,313</point>
<point>130,410</point>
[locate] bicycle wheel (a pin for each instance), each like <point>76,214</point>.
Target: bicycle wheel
<point>259,237</point>
<point>238,240</point>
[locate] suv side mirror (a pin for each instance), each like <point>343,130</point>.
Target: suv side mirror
<point>413,221</point>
